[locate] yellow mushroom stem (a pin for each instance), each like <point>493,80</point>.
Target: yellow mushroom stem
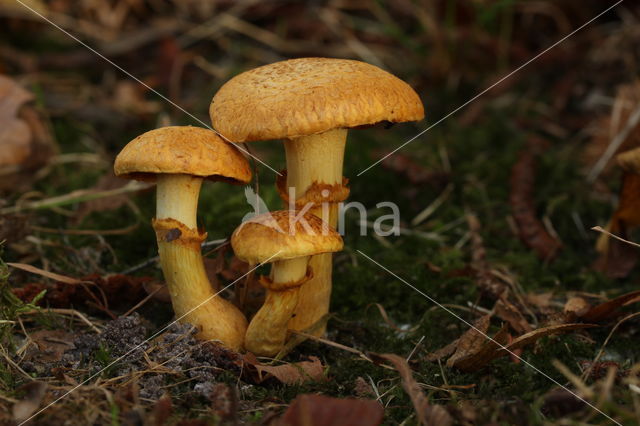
<point>267,331</point>
<point>179,241</point>
<point>316,159</point>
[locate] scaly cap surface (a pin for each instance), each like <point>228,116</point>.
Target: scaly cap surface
<point>306,96</point>
<point>182,149</point>
<point>277,236</point>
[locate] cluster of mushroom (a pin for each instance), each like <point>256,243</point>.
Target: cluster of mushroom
<point>309,103</point>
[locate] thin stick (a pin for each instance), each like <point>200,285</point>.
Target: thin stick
<point>604,231</point>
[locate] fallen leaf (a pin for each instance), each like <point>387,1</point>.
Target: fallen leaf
<point>534,335</point>
<point>508,312</point>
<point>26,142</point>
<point>119,292</point>
<point>606,309</point>
<point>471,341</point>
<point>320,410</point>
<point>474,349</point>
<point>289,374</point>
<point>483,352</point>
<point>34,393</point>
<point>428,414</point>
<point>51,345</point>
<point>443,352</point>
<point>521,198</point>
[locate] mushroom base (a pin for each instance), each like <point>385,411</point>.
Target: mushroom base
<point>192,296</point>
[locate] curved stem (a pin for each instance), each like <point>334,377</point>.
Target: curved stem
<point>179,248</point>
<point>316,159</point>
<point>267,331</point>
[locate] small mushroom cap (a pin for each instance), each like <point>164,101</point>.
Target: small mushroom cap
<point>305,96</point>
<point>185,150</point>
<point>283,235</point>
<point>629,161</point>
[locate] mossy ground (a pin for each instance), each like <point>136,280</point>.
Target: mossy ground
<point>480,158</point>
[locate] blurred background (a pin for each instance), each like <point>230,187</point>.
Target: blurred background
<point>507,187</point>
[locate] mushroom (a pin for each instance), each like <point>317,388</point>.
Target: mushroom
<point>279,237</point>
<point>178,159</point>
<point>311,103</point>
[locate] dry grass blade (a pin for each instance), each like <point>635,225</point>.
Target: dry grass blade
<point>604,231</point>
<point>47,274</point>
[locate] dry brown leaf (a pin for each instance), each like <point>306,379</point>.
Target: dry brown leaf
<point>443,352</point>
<point>34,393</point>
<point>427,414</point>
<point>483,353</point>
<point>289,374</point>
<point>606,309</point>
<point>471,341</point>
<point>474,350</point>
<point>320,410</point>
<point>533,336</point>
<point>26,142</point>
<point>508,312</point>
<point>51,345</point>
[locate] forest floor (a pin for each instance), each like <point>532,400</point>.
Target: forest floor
<point>497,204</point>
